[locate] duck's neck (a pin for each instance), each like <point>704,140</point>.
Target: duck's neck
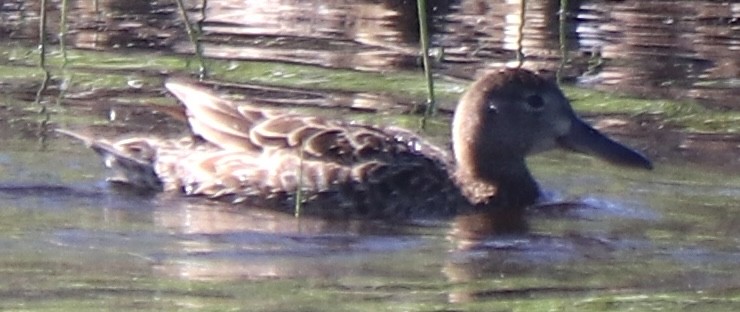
<point>503,183</point>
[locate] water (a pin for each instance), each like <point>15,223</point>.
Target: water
<point>608,239</point>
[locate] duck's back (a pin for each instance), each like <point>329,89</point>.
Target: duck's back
<point>344,170</point>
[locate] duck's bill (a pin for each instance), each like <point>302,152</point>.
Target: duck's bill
<point>583,138</point>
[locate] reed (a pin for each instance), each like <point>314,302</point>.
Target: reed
<point>299,189</point>
<point>44,124</point>
<point>562,38</point>
<point>193,35</point>
<point>431,107</point>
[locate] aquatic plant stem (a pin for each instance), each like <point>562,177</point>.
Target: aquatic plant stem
<point>42,35</point>
<point>42,64</point>
<point>431,108</point>
<point>66,77</point>
<point>299,188</point>
<point>520,33</point>
<point>193,34</point>
<point>563,22</point>
<point>63,32</point>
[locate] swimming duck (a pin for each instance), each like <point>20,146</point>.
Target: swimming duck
<point>242,153</point>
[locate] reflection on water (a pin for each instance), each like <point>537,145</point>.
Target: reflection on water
<point>339,34</point>
<point>223,243</point>
<point>677,49</point>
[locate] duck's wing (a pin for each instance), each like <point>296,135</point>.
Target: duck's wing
<point>215,119</point>
<point>260,131</point>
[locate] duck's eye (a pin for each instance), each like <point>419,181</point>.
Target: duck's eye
<point>492,108</point>
<point>535,102</point>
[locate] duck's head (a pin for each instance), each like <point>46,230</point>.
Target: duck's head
<point>507,115</point>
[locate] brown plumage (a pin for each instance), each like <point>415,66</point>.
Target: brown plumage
<point>243,153</point>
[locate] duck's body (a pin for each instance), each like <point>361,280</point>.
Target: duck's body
<point>247,154</point>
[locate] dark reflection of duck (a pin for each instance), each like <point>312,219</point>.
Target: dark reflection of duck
<point>345,170</point>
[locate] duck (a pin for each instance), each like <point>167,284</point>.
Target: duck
<point>246,155</point>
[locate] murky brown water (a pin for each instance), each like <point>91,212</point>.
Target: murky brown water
<point>611,240</point>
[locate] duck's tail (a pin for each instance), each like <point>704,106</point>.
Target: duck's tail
<point>132,161</point>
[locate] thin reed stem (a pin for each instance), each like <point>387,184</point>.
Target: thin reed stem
<point>431,108</point>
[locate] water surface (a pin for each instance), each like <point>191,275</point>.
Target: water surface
<point>607,238</point>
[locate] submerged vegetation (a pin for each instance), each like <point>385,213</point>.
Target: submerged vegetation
<point>84,70</point>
